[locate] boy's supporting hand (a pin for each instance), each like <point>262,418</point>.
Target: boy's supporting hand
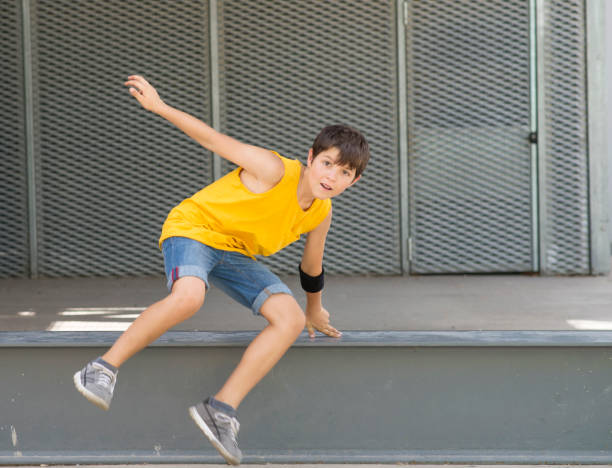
<point>318,319</point>
<point>144,93</point>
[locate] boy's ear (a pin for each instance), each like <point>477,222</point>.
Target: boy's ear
<point>309,157</point>
<point>356,179</point>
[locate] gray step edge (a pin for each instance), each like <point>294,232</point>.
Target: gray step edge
<point>349,339</point>
<point>475,456</point>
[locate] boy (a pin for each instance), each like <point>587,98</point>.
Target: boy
<point>214,235</point>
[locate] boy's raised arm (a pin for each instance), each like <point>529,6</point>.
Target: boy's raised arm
<point>261,163</point>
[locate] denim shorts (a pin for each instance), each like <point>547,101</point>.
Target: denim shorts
<point>242,278</point>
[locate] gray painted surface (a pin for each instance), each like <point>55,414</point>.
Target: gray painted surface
<point>325,466</point>
<point>487,302</point>
<point>363,339</point>
<point>608,55</point>
<point>597,136</point>
<point>462,404</point>
<point>29,137</point>
<point>523,458</point>
<point>401,8</point>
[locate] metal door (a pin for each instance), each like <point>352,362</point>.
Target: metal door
<point>469,119</point>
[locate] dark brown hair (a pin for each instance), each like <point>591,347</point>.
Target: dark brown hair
<point>353,148</point>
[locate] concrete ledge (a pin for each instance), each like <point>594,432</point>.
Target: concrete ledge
<point>370,397</point>
<point>318,457</point>
<point>350,338</point>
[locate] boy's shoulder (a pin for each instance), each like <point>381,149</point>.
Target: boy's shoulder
<point>285,159</point>
<point>292,165</point>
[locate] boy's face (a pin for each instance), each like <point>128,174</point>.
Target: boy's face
<point>328,179</point>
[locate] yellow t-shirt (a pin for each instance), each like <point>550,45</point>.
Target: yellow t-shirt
<point>228,216</point>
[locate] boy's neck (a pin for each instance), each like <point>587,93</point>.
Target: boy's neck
<point>304,194</point>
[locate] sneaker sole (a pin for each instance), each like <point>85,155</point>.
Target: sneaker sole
<point>193,412</point>
<point>95,399</point>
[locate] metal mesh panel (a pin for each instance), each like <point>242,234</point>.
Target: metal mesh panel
<point>13,190</point>
<point>287,69</point>
<point>468,124</point>
<point>109,171</point>
<point>564,227</point>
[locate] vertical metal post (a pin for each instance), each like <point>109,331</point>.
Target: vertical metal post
<point>402,19</point>
<point>597,136</point>
<point>533,78</point>
<point>29,136</point>
<point>214,79</point>
<point>540,16</point>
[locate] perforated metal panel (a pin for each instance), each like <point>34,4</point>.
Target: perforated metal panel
<point>468,127</point>
<point>564,188</point>
<point>287,69</point>
<point>13,191</point>
<point>110,171</point>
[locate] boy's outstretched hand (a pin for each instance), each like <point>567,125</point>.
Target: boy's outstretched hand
<point>319,320</point>
<point>144,93</point>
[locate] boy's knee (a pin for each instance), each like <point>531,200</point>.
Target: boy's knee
<point>284,311</point>
<point>298,320</point>
<point>188,294</point>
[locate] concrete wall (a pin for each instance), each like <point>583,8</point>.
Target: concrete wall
<point>399,397</point>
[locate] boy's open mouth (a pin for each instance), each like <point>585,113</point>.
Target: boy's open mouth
<point>325,186</point>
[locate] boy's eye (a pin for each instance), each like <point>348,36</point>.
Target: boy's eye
<point>346,173</point>
<point>326,163</point>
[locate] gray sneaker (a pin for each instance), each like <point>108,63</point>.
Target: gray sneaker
<point>96,383</point>
<point>220,428</point>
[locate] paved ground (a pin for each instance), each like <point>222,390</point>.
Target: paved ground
<point>325,466</point>
<point>458,302</point>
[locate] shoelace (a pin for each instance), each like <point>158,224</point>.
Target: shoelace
<point>234,425</point>
<point>104,379</point>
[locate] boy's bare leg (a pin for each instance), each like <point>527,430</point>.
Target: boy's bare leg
<point>286,322</point>
<point>186,298</point>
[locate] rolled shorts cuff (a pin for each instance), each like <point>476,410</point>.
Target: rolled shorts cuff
<point>187,270</point>
<point>278,288</point>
